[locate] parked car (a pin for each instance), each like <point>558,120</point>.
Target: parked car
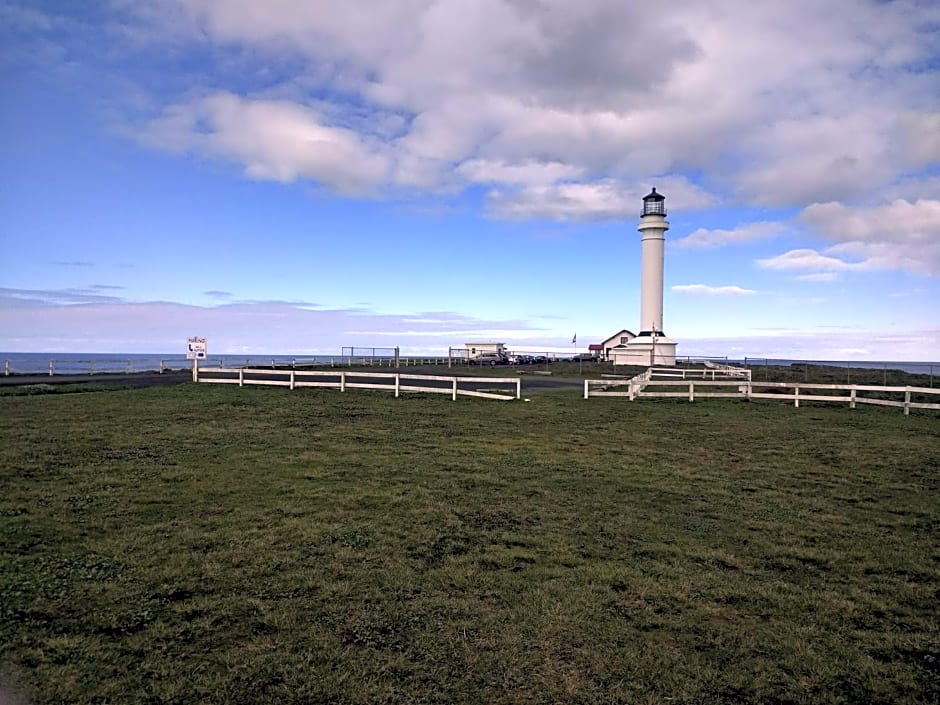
<point>488,359</point>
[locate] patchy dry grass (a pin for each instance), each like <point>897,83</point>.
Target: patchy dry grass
<point>223,545</point>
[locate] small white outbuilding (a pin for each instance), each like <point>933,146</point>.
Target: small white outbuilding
<point>617,340</point>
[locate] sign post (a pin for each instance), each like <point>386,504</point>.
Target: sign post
<point>196,350</point>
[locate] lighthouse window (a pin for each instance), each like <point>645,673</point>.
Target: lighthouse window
<point>654,207</point>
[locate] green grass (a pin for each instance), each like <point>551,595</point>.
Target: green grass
<point>221,545</point>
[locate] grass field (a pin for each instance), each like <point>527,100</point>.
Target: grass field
<point>209,544</point>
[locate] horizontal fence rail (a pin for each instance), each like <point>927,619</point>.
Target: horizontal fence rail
<point>645,387</point>
<point>504,388</point>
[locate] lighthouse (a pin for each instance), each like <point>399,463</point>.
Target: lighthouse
<point>653,226</point>
<point>651,347</point>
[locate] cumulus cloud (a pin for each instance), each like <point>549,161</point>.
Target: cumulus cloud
<point>604,200</point>
<point>808,259</point>
<point>900,235</point>
<point>271,140</point>
<point>921,136</point>
<point>820,158</point>
<point>706,290</point>
<point>528,173</point>
<point>607,199</point>
<point>704,237</point>
<point>818,277</point>
<point>546,102</point>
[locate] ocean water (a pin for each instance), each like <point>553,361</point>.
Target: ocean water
<point>918,368</point>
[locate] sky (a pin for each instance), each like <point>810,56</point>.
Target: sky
<point>295,177</point>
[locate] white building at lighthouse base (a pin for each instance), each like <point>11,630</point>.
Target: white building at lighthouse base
<point>646,351</point>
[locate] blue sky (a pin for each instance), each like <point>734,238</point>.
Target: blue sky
<point>295,177</point>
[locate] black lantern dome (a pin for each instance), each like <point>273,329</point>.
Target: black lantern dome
<point>654,204</point>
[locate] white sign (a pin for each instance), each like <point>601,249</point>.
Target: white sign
<point>196,349</point>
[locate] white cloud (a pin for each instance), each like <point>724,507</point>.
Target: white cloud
<point>524,174</point>
<point>750,232</point>
<point>900,220</point>
<point>704,289</point>
<point>549,101</point>
<point>818,277</point>
<point>827,157</point>
<point>608,199</point>
<point>272,140</point>
<point>900,235</point>
<point>810,260</point>
<point>599,201</point>
<point>921,136</point>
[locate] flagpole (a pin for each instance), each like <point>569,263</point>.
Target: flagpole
<point>574,343</point>
<point>580,361</point>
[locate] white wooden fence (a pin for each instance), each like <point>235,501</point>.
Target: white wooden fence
<point>505,388</point>
<point>640,388</point>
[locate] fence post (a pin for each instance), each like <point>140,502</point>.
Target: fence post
<point>342,381</point>
<point>691,391</point>
<point>51,367</point>
<point>518,388</point>
<point>632,392</point>
<point>586,395</point>
<point>292,379</point>
<point>241,376</point>
<point>397,357</point>
<point>6,368</point>
<point>907,401</point>
<point>397,384</point>
<point>453,394</point>
<point>796,397</point>
<point>852,398</point>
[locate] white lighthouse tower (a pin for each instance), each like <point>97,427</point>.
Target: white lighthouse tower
<point>651,346</point>
<point>653,226</point>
